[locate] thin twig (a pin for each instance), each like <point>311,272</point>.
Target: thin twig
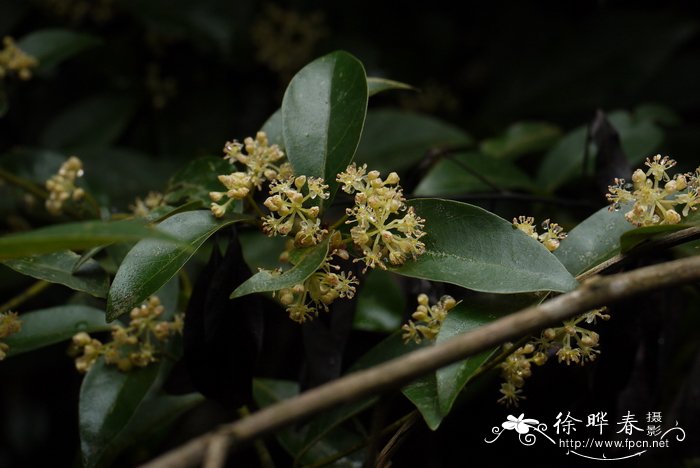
<point>593,293</point>
<point>25,295</point>
<point>384,458</point>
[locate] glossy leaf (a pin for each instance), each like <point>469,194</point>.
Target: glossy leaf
<point>323,112</point>
<point>261,251</point>
<point>152,262</point>
<point>76,236</point>
<point>379,85</point>
<point>380,303</point>
<point>197,179</point>
<point>114,404</point>
<point>264,281</point>
<point>521,138</point>
<point>49,326</point>
<point>471,172</point>
<point>59,267</point>
<point>273,129</point>
<point>108,400</point>
<point>52,46</point>
<point>475,249</point>
<point>394,140</point>
<point>594,240</point>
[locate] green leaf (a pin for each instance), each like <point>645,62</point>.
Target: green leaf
<point>267,392</point>
<point>261,251</point>
<point>475,249</point>
<point>634,237</point>
<point>152,262</point>
<point>380,303</point>
<point>52,46</point>
<point>379,85</point>
<point>108,400</point>
<point>455,175</point>
<point>394,140</point>
<point>197,179</point>
<point>76,236</point>
<point>521,138</point>
<point>657,113</point>
<point>49,326</point>
<point>422,393</point>
<point>594,240</point>
<point>450,380</point>
<point>89,125</point>
<point>58,267</point>
<point>273,129</point>
<point>639,139</point>
<point>323,112</point>
<point>113,404</point>
<point>264,281</point>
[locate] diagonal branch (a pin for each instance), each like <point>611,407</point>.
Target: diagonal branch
<point>595,292</point>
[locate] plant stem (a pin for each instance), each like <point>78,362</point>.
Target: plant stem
<point>593,293</point>
<point>25,295</point>
<point>338,223</point>
<point>255,206</point>
<point>25,184</point>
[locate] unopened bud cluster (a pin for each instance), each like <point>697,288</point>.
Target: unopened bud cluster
<point>9,324</point>
<point>142,207</point>
<point>386,230</point>
<point>288,212</point>
<point>570,343</point>
<point>551,236</point>
<point>14,60</point>
<point>136,345</point>
<point>62,186</point>
<point>303,301</point>
<point>262,163</point>
<point>654,195</point>
<point>426,321</point>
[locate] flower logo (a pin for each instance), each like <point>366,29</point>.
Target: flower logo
<point>521,425</point>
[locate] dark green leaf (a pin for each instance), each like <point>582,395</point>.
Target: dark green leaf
<point>380,303</point>
<point>423,393</point>
<point>264,281</point>
<point>49,326</point>
<point>323,113</point>
<point>475,249</point>
<point>452,379</point>
<point>108,400</point>
<point>114,405</point>
<point>152,262</point>
<point>197,179</point>
<point>76,236</point>
<point>634,237</point>
<point>394,140</point>
<point>52,46</point>
<point>640,138</point>
<point>261,251</point>
<point>521,138</point>
<point>88,125</point>
<point>657,113</point>
<point>58,267</point>
<point>594,240</point>
<point>267,392</point>
<point>379,85</point>
<point>457,174</point>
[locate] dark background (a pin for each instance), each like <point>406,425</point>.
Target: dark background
<point>482,67</point>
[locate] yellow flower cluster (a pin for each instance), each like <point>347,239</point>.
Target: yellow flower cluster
<point>14,60</point>
<point>386,230</point>
<point>319,290</point>
<point>287,211</point>
<point>550,238</point>
<point>570,343</point>
<point>61,186</point>
<point>136,345</point>
<point>654,194</point>
<point>142,208</point>
<point>9,324</point>
<point>262,162</point>
<point>427,320</point>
